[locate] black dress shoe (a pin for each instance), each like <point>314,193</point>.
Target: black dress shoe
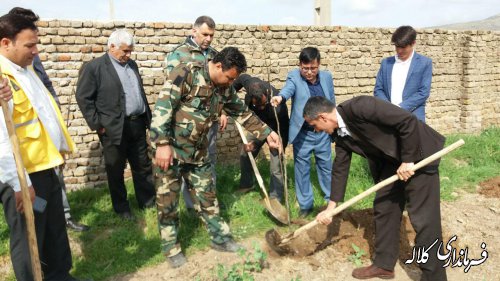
<point>244,190</point>
<point>71,278</point>
<point>304,213</point>
<point>150,203</point>
<point>70,224</point>
<point>126,216</point>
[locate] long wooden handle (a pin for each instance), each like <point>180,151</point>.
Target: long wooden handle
<point>28,208</point>
<point>355,199</point>
<point>254,165</point>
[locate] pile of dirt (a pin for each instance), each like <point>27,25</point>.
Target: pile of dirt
<point>347,229</point>
<point>490,188</point>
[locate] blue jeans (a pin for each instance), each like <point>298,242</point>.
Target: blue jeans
<point>305,144</point>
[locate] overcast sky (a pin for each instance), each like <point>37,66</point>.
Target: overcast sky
<point>364,13</point>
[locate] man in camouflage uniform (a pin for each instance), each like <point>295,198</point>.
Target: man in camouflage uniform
<point>196,48</point>
<point>193,96</point>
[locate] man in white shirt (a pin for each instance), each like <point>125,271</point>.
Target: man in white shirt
<point>405,79</point>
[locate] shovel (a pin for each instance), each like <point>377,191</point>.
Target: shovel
<point>272,205</point>
<point>279,243</point>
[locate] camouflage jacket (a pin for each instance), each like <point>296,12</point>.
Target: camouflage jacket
<point>186,52</point>
<point>186,107</point>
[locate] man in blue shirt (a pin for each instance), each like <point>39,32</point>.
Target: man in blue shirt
<point>301,84</point>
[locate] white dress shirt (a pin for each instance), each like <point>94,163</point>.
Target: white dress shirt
<point>342,131</point>
<point>399,74</point>
<point>39,97</point>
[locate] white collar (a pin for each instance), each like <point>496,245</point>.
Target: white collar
<point>398,60</point>
<point>342,131</point>
<point>14,66</point>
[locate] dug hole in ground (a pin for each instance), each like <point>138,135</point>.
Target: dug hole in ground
<point>473,218</point>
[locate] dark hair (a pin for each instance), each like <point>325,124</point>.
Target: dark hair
<point>254,86</point>
<point>316,105</point>
<point>204,19</point>
<point>231,57</point>
<point>26,13</point>
<point>309,54</point>
<point>404,36</point>
<point>257,88</point>
<point>11,25</point>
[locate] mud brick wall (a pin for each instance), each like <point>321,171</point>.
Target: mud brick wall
<point>464,96</point>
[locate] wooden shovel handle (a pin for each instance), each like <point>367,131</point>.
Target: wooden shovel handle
<point>375,188</point>
<point>28,207</point>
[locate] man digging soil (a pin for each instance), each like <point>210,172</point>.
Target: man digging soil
<point>394,140</point>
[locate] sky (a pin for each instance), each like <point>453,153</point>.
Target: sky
<point>355,13</point>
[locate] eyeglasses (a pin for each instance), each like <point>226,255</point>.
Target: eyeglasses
<point>307,69</point>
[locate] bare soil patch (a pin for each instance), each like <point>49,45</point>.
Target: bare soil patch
<point>347,229</point>
<point>473,219</point>
<point>490,188</point>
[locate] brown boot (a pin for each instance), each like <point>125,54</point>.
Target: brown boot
<point>371,272</point>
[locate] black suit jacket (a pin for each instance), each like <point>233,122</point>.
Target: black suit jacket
<point>266,115</point>
<point>382,133</point>
<point>99,94</point>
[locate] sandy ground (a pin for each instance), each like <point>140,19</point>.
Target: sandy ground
<point>474,219</point>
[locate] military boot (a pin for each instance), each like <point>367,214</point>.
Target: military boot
<point>177,260</point>
<point>228,246</point>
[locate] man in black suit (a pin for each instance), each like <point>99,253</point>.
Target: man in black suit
<point>111,97</point>
<point>394,139</point>
<point>257,97</point>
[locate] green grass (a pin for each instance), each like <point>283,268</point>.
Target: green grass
<point>476,161</point>
<point>114,247</point>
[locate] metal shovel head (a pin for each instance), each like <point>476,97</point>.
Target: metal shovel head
<point>273,239</point>
<point>276,210</point>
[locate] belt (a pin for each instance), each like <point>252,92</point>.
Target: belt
<point>134,117</point>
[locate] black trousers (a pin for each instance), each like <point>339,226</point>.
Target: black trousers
<point>19,250</point>
<point>421,197</point>
<point>133,147</point>
<point>50,228</point>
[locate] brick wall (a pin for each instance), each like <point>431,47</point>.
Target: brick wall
<point>464,96</point>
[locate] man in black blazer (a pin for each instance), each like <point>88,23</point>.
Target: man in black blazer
<point>257,97</point>
<point>395,140</point>
<point>111,96</point>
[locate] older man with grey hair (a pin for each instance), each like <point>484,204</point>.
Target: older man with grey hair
<point>111,96</point>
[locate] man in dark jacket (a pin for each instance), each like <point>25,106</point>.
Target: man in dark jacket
<point>258,95</point>
<point>111,97</point>
<point>394,139</point>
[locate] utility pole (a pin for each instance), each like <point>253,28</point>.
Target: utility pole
<point>322,12</point>
<point>111,10</point>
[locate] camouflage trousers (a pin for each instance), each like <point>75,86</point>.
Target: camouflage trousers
<point>202,191</point>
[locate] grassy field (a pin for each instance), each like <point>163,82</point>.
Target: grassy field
<point>114,247</point>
